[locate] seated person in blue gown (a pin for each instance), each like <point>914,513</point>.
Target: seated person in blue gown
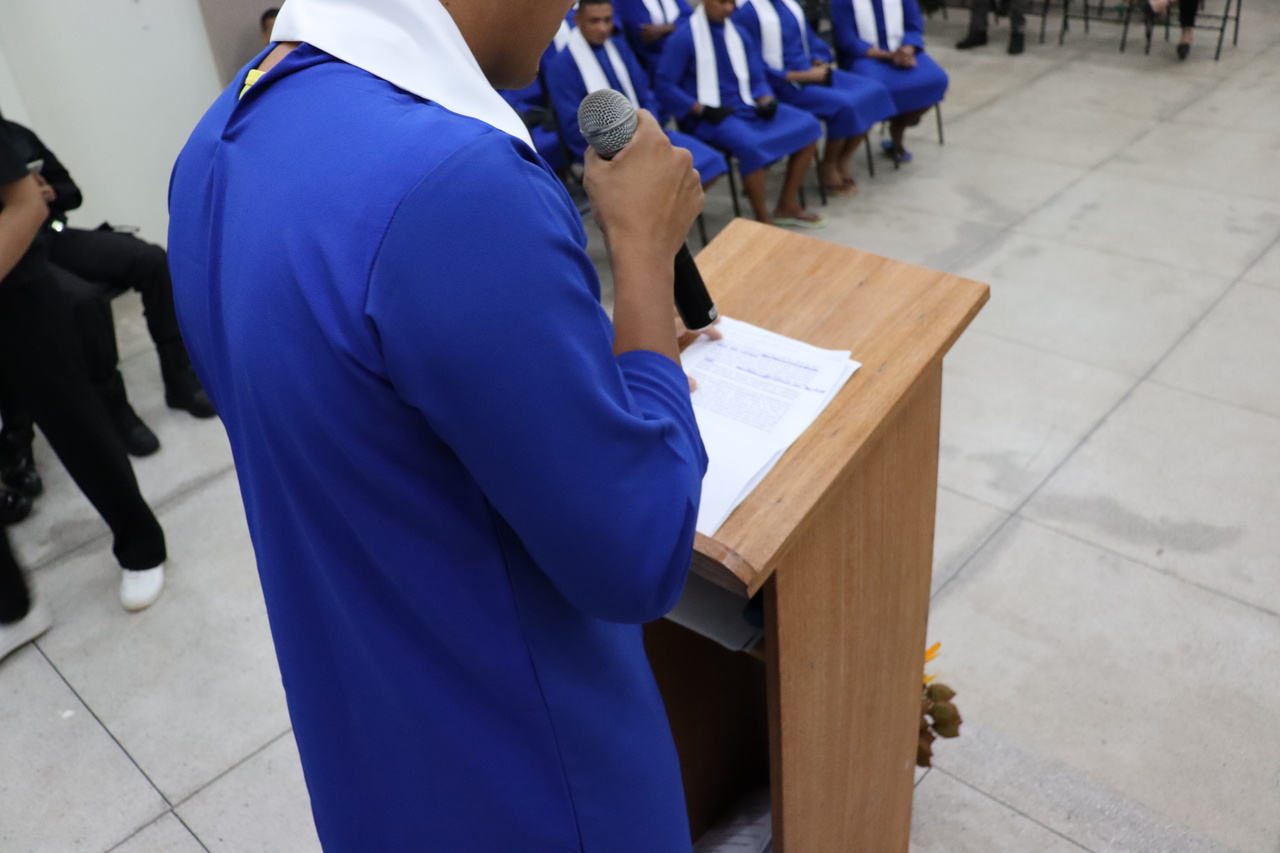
<point>884,39</point>
<point>799,67</point>
<point>534,105</point>
<point>647,23</point>
<point>593,60</point>
<point>466,487</point>
<point>711,79</point>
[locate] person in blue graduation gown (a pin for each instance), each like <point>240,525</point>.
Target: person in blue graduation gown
<point>647,23</point>
<point>465,486</point>
<point>594,44</point>
<point>884,39</point>
<point>718,93</point>
<point>533,104</point>
<point>800,69</point>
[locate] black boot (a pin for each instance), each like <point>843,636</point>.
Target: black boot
<point>18,466</point>
<point>138,438</point>
<point>14,507</point>
<point>1017,43</point>
<point>972,40</point>
<point>182,388</point>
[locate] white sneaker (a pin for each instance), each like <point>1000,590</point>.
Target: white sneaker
<point>139,590</point>
<point>15,635</point>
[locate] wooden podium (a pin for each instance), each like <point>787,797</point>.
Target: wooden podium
<point>838,542</point>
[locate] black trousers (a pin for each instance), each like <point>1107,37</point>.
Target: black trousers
<point>1187,12</point>
<point>15,601</point>
<point>42,369</point>
<point>89,268</point>
<point>111,263</point>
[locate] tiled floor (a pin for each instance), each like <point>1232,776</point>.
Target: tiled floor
<point>1107,584</point>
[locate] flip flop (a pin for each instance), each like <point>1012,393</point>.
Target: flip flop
<point>794,222</point>
<point>900,155</point>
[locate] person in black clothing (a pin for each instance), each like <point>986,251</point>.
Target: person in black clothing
<point>42,367</point>
<point>267,23</point>
<point>90,267</point>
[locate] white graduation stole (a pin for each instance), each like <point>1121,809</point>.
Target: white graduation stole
<point>864,15</point>
<point>662,11</point>
<point>593,75</point>
<point>704,50</point>
<point>561,41</point>
<point>771,30</point>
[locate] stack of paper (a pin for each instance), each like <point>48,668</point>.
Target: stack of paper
<point>757,392</point>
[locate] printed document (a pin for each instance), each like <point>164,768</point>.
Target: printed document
<point>757,393</point>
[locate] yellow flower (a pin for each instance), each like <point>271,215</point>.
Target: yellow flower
<point>931,653</point>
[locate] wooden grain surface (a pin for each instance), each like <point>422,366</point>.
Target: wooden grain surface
<point>846,615</point>
<point>897,318</point>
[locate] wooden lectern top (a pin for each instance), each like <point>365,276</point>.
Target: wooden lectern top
<point>897,318</point>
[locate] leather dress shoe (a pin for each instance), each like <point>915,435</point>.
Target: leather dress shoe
<point>138,438</point>
<point>184,391</point>
<point>21,476</point>
<point>14,507</point>
<point>972,40</point>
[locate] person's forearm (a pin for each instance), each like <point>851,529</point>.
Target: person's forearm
<point>643,302</point>
<point>23,214</point>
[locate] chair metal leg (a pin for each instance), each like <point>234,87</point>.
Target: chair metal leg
<point>1086,16</point>
<point>1222,31</point>
<point>1062,33</point>
<point>1124,33</point>
<point>871,160</point>
<point>937,108</point>
<point>702,229</point>
<point>1235,40</point>
<point>733,190</point>
<point>1044,19</point>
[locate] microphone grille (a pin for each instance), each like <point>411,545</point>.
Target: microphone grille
<point>607,121</point>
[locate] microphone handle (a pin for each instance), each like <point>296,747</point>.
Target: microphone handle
<point>693,303</point>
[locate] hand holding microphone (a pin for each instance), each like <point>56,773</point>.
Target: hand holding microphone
<point>645,195</point>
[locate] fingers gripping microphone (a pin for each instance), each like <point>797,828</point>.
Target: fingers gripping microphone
<point>608,121</point>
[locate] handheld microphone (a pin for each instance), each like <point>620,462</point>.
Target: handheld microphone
<point>608,121</point>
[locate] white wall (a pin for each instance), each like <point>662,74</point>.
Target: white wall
<point>114,88</point>
<point>11,104</point>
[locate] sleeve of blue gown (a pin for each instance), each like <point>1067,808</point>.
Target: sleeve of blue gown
<point>482,299</point>
<point>755,64</point>
<point>846,31</point>
<point>818,48</point>
<point>677,54</point>
<point>630,15</point>
<point>912,24</point>
<point>567,91</point>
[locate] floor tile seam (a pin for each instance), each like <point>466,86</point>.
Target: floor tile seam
<point>1161,570</point>
<point>1023,344</point>
<point>106,729</point>
<point>976,499</point>
<point>1077,244</point>
<point>1084,175</point>
<point>156,508</point>
<point>1209,398</point>
<point>923,776</point>
<point>1031,158</point>
<point>191,832</point>
<point>996,531</point>
<point>1018,511</point>
<point>1171,182</point>
<point>971,786</point>
<point>1056,66</point>
<point>237,765</point>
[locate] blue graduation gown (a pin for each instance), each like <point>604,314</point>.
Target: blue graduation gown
<point>630,16</point>
<point>850,106</point>
<point>462,503</point>
<point>754,141</point>
<point>911,88</point>
<point>568,89</point>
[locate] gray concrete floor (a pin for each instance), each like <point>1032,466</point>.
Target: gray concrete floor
<point>1107,585</point>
